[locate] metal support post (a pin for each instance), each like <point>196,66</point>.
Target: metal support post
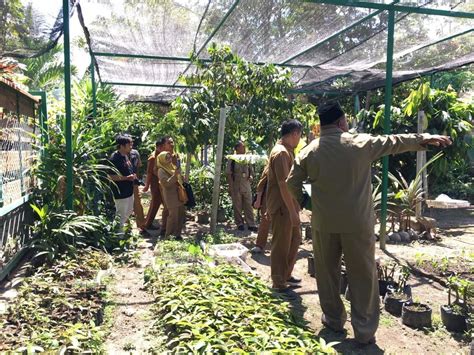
<point>94,88</point>
<point>356,109</point>
<point>217,171</point>
<point>386,126</point>
<point>20,143</point>
<point>67,97</point>
<point>420,161</point>
<point>43,118</point>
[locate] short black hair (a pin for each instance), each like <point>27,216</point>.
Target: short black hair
<point>330,113</point>
<point>123,139</point>
<point>162,140</point>
<point>290,126</point>
<point>238,143</point>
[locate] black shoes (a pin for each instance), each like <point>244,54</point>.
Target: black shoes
<point>294,281</point>
<point>241,228</point>
<point>253,229</point>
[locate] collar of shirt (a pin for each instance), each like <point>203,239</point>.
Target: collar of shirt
<point>330,130</point>
<point>288,148</point>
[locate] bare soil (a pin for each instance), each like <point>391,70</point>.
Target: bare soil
<point>456,229</point>
<point>132,304</point>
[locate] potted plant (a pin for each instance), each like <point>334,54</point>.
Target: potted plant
<point>455,314</point>
<point>397,295</point>
<point>385,276</point>
<point>416,315</point>
<point>202,214</point>
<point>221,215</point>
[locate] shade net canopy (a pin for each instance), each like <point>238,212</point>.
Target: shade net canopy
<point>142,47</point>
<point>29,28</point>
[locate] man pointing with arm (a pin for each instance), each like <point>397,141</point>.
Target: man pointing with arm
<point>338,166</point>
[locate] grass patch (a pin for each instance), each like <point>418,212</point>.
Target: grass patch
<point>386,320</point>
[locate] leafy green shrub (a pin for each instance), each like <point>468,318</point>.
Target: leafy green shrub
<point>58,233</point>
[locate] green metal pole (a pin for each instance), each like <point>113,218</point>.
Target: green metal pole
<point>20,143</point>
<point>94,88</point>
<point>386,126</point>
<point>43,116</point>
<point>67,97</point>
<point>398,8</point>
<point>356,104</point>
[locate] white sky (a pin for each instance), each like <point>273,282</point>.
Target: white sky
<point>49,10</point>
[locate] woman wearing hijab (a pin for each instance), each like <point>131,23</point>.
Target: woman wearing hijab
<point>170,179</point>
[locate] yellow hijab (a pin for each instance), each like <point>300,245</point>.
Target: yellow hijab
<point>167,166</point>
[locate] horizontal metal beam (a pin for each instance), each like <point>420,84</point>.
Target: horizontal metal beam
<point>318,92</point>
<point>14,205</point>
<point>142,56</point>
<point>116,83</point>
<point>182,59</point>
<point>335,35</point>
<point>398,8</point>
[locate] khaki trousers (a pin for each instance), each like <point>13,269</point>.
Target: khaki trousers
<point>164,217</point>
<point>285,242</point>
<point>359,258</point>
<point>263,227</point>
<point>175,221</point>
<point>243,201</point>
<point>138,208</point>
<point>155,203</point>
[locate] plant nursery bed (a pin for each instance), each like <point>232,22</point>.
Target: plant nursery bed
<point>443,267</point>
<point>58,307</point>
<point>203,309</point>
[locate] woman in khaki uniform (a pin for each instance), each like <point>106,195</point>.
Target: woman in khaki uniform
<point>170,179</point>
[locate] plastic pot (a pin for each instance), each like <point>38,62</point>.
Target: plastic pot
<point>384,286</point>
<point>221,218</point>
<point>452,321</point>
<point>203,217</point>
<point>416,315</point>
<point>394,303</point>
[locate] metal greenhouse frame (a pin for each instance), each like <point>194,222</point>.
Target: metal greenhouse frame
<point>391,8</point>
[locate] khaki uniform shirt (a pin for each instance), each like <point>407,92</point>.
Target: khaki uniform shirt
<point>169,189</point>
<point>262,183</point>
<point>338,165</point>
<point>240,176</point>
<point>279,165</point>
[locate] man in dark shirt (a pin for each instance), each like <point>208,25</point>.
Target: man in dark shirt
<point>123,188</point>
<point>137,203</point>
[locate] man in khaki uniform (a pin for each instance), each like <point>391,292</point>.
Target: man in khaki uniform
<point>338,165</point>
<point>283,208</point>
<point>239,176</point>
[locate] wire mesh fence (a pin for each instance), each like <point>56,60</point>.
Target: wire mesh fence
<point>17,156</point>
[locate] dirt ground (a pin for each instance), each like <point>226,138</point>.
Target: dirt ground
<point>456,229</point>
<point>132,304</point>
